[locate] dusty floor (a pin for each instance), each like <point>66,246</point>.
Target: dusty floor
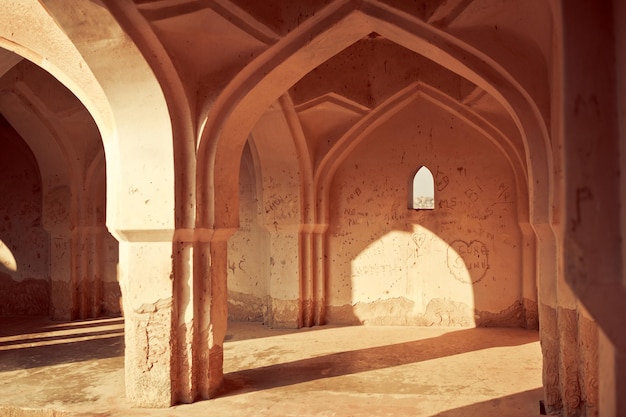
<point>53,369</point>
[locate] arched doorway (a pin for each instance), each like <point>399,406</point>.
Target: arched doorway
<point>266,79</point>
<point>103,79</point>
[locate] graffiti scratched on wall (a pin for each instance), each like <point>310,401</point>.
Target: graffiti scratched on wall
<point>468,262</point>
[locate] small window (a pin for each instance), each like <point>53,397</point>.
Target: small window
<point>422,194</point>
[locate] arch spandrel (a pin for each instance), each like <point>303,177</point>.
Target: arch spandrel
<point>101,66</point>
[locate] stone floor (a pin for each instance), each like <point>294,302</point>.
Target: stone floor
<point>55,369</point>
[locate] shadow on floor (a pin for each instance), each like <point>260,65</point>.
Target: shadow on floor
<point>259,330</point>
<point>28,343</point>
<point>17,326</point>
<point>522,403</point>
<point>364,360</point>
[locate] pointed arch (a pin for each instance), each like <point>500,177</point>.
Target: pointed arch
<point>319,39</point>
<point>130,120</point>
<point>264,80</point>
<point>333,159</point>
<point>353,137</point>
<point>86,49</point>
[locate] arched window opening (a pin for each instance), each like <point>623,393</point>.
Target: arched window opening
<point>422,192</point>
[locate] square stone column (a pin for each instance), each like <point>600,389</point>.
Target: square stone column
<point>145,274</point>
<point>210,310</point>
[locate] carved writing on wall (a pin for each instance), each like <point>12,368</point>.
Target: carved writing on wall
<point>441,180</point>
<point>468,262</point>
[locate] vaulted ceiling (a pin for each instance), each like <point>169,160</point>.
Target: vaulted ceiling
<point>211,41</point>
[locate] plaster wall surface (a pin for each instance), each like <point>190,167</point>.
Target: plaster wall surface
<point>248,252</point>
<point>67,153</point>
<point>24,244</point>
<point>459,264</point>
<point>177,87</point>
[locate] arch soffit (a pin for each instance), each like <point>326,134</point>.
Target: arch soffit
<point>100,79</point>
<point>282,130</point>
<point>319,39</point>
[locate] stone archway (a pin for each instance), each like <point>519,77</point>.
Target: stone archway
<point>589,131</point>
<point>137,141</point>
<point>266,78</point>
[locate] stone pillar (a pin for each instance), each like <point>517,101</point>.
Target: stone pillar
<point>529,271</point>
<point>103,293</point>
<point>112,293</point>
<point>81,256</point>
<point>94,269</point>
<point>319,274</point>
<point>306,275</point>
<point>145,274</point>
<point>210,310</point>
<point>593,99</point>
<point>567,324</point>
<point>548,323</point>
<point>87,271</point>
<point>183,258</point>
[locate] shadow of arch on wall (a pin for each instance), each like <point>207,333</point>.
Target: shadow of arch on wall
<point>460,232</point>
<point>463,255</point>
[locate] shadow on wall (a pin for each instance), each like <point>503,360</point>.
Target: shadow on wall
<point>460,264</point>
<point>24,244</point>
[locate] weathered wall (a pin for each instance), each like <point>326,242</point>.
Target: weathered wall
<point>457,265</point>
<point>103,255</point>
<point>248,253</point>
<point>24,244</point>
<point>81,262</point>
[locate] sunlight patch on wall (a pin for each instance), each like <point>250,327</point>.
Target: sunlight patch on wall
<point>415,266</point>
<point>7,260</point>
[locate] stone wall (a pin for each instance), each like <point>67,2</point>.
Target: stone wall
<point>24,244</point>
<point>456,265</point>
<point>248,253</point>
<point>460,264</point>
